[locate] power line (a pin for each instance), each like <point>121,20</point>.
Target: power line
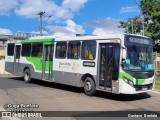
<point>137,4</point>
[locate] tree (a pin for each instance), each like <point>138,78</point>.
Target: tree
<point>133,25</point>
<point>151,14</point>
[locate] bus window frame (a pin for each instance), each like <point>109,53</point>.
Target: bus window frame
<point>10,50</point>
<point>32,50</point>
<point>84,50</point>
<point>61,42</point>
<point>79,42</point>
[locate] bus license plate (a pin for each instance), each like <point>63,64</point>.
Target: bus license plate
<point>144,88</point>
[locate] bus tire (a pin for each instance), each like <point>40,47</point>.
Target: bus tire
<point>27,76</point>
<point>89,87</point>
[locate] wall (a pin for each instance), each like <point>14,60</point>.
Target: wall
<point>2,67</point>
<point>2,53</point>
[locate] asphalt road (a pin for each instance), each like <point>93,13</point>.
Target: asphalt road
<point>58,97</point>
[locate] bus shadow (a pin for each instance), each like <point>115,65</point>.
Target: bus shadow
<point>99,94</point>
<point>58,86</point>
<point>122,97</point>
<point>16,78</point>
<point>50,85</point>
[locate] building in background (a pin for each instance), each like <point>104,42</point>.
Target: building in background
<point>3,42</point>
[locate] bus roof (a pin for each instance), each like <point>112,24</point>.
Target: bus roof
<point>93,37</point>
<point>83,37</point>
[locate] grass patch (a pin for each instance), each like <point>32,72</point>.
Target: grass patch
<point>157,84</point>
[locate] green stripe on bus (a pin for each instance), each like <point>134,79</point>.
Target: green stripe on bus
<point>140,81</point>
<point>126,75</point>
<point>51,69</point>
<point>44,40</point>
<point>37,62</point>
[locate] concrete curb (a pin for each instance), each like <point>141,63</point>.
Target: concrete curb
<point>7,75</point>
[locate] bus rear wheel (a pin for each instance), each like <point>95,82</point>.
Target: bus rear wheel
<point>89,86</point>
<point>27,76</point>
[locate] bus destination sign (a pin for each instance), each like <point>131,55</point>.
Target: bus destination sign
<point>139,40</point>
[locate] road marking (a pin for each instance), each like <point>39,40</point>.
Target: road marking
<point>10,118</point>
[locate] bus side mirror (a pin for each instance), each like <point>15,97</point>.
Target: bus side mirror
<point>124,54</point>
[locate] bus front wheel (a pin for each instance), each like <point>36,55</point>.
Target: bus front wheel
<point>27,76</point>
<point>89,86</point>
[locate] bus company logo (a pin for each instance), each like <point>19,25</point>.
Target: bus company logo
<point>64,65</point>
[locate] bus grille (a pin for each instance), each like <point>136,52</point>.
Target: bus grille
<point>143,87</point>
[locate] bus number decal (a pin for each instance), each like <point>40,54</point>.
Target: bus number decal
<point>89,64</point>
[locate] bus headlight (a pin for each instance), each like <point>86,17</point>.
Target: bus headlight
<point>128,82</point>
<point>131,83</point>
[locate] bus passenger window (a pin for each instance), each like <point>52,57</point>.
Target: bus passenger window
<point>37,49</point>
<point>74,50</point>
<point>26,50</point>
<point>89,50</point>
<point>10,49</point>
<point>61,50</point>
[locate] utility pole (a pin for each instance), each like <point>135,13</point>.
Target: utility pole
<point>132,26</point>
<point>141,16</point>
<point>40,15</point>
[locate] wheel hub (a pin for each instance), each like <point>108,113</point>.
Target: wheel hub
<point>88,86</point>
<point>26,76</point>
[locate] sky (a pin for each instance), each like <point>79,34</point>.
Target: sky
<point>68,17</point>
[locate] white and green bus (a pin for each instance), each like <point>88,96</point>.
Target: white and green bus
<point>121,63</point>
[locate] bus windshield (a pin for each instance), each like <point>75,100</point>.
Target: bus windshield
<point>139,58</point>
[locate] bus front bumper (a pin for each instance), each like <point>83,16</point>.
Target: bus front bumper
<point>128,89</point>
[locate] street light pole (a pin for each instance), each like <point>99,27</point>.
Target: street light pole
<point>47,22</point>
<point>40,27</point>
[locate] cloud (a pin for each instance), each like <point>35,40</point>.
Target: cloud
<point>73,5</point>
<point>129,9</point>
<point>71,29</point>
<point>4,31</point>
<point>7,5</point>
<point>67,9</point>
<point>64,11</point>
<point>29,8</point>
<point>44,32</point>
<point>105,26</point>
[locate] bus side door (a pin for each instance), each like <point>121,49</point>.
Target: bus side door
<point>109,65</point>
<point>47,68</point>
<point>17,60</point>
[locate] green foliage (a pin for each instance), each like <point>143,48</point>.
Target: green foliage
<point>135,22</point>
<point>151,12</point>
<point>151,15</point>
<point>157,84</point>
